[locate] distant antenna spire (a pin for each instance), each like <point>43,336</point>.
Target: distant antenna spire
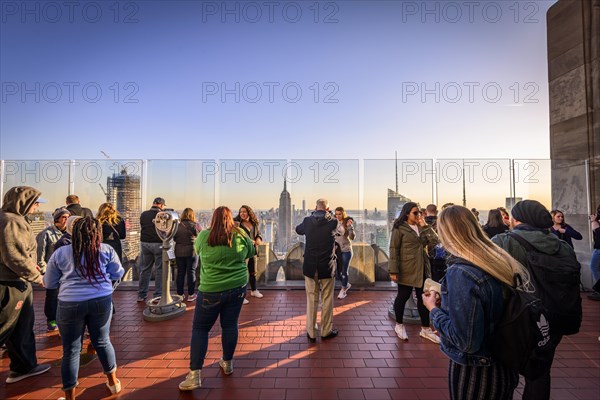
<point>284,185</point>
<point>464,185</point>
<point>396,157</point>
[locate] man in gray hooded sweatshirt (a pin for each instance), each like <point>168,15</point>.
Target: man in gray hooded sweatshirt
<point>18,271</point>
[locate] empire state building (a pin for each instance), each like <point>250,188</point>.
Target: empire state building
<point>285,220</point>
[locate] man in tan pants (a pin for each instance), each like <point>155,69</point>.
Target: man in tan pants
<point>319,269</point>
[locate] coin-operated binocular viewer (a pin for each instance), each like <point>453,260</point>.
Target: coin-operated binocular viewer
<point>167,306</point>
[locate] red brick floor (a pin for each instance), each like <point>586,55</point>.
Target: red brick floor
<point>274,361</point>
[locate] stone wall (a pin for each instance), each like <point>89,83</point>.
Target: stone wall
<point>573,28</point>
<point>362,270</point>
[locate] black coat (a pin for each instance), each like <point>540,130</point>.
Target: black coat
<point>184,239</point>
<point>148,231</point>
<point>113,234</point>
<point>319,254</point>
<point>492,231</point>
<point>568,235</point>
<point>76,209</point>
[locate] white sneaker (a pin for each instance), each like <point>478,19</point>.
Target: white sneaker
<point>246,301</point>
<point>344,291</point>
<point>256,293</point>
<point>114,389</point>
<point>427,333</point>
<point>401,331</point>
<point>192,381</point>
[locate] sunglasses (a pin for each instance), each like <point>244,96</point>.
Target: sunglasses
<point>416,213</point>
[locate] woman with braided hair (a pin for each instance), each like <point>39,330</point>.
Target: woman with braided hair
<point>83,270</point>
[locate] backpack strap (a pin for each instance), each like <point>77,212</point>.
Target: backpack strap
<point>517,281</point>
<point>528,246</point>
<point>187,228</point>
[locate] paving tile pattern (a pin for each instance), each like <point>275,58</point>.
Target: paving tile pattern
<point>274,360</point>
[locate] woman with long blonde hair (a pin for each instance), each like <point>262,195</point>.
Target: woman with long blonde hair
<point>113,227</point>
<point>471,305</point>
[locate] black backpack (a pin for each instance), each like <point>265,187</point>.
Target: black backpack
<point>556,282</point>
<point>521,339</point>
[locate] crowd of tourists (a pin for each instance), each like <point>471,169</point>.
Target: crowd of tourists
<point>466,276</point>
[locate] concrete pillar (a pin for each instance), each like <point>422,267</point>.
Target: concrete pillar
<point>573,28</point>
<point>262,262</point>
<point>362,265</point>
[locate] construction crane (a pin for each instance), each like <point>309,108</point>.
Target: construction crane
<point>99,184</point>
<point>104,191</point>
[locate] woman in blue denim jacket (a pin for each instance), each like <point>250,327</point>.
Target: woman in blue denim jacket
<point>471,305</point>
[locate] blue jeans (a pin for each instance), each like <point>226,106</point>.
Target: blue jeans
<point>595,265</point>
<point>150,256</point>
<point>226,305</point>
<point>72,317</point>
<point>186,267</point>
<point>342,271</point>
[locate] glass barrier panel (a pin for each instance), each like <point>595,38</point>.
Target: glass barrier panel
<point>283,192</point>
<point>533,180</point>
<point>99,181</point>
<point>476,183</point>
<point>336,180</point>
<point>182,183</point>
<point>388,185</point>
<point>51,177</point>
<point>118,182</point>
<point>257,184</point>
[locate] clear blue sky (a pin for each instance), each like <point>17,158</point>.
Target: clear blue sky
<point>370,60</point>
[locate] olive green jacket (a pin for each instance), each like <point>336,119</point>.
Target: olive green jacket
<point>408,254</point>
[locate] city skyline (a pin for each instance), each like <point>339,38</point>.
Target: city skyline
<point>354,184</point>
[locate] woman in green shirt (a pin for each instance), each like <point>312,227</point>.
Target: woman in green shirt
<point>223,250</point>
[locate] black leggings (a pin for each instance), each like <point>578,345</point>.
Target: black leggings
<point>404,293</point>
<point>252,273</point>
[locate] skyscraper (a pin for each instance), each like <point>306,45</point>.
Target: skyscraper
<point>284,228</point>
<point>124,191</point>
<point>395,201</point>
